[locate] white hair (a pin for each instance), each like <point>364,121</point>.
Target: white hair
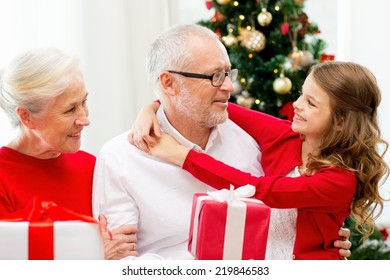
<point>33,78</point>
<point>170,50</point>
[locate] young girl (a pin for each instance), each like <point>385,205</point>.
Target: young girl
<point>325,162</point>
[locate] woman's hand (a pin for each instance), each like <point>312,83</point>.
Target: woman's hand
<point>145,126</point>
<point>118,243</point>
<point>167,148</point>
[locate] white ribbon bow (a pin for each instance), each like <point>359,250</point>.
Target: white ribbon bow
<point>233,194</point>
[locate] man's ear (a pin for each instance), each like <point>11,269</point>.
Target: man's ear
<point>25,117</point>
<point>167,83</point>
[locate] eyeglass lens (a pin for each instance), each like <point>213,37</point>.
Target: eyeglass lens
<point>219,78</point>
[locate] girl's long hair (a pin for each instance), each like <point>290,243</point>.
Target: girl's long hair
<point>355,97</point>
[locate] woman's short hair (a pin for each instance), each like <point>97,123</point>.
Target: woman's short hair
<point>35,77</point>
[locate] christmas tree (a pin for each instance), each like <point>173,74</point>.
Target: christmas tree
<point>273,45</point>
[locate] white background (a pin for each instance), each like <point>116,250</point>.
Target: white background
<point>111,38</point>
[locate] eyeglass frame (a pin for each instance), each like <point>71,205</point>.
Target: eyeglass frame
<point>209,77</point>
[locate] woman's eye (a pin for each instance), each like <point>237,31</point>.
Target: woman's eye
<point>70,110</point>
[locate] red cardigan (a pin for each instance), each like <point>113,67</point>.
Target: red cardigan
<point>323,200</point>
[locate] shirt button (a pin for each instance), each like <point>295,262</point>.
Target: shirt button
<point>293,257</point>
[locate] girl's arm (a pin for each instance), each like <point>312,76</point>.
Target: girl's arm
<point>264,128</point>
<point>329,190</point>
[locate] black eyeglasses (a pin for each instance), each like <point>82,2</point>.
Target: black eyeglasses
<point>216,79</point>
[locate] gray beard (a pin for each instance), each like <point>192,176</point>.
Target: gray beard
<point>197,111</point>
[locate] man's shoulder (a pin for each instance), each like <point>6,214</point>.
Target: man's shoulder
<point>116,143</point>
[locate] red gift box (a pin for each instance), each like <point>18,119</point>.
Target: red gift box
<point>46,231</point>
<point>228,225</point>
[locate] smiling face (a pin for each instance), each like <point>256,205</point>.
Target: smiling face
<point>197,99</point>
<point>57,129</point>
<point>312,111</point>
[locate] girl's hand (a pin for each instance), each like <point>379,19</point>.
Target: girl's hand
<point>145,126</point>
<point>167,148</point>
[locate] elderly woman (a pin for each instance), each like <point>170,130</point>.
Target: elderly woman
<point>43,93</point>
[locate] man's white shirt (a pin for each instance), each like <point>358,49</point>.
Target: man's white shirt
<point>132,187</point>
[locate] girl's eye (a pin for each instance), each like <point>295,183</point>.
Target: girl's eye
<point>310,103</point>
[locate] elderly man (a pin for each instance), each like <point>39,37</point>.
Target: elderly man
<point>191,72</point>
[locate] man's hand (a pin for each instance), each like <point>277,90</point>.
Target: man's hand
<point>344,245</point>
<point>120,242</point>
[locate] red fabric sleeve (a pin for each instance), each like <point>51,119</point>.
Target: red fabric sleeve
<point>280,146</point>
<point>329,190</point>
<point>264,128</point>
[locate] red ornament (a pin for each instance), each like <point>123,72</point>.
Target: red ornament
<point>218,32</point>
<point>385,233</point>
<point>217,17</point>
<point>287,110</point>
<point>326,57</point>
<point>285,28</point>
<point>209,4</point>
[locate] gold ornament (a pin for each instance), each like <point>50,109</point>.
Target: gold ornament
<point>264,18</point>
<point>253,39</point>
<point>306,59</point>
<point>295,57</point>
<point>245,100</point>
<point>229,40</point>
<point>299,2</point>
<point>282,85</point>
<point>223,2</point>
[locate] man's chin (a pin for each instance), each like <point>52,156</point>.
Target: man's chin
<point>216,119</point>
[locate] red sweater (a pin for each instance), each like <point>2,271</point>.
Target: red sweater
<point>323,200</point>
<point>66,180</point>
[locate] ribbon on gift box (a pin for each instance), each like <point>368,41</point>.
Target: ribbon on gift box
<point>235,219</point>
<point>41,215</point>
